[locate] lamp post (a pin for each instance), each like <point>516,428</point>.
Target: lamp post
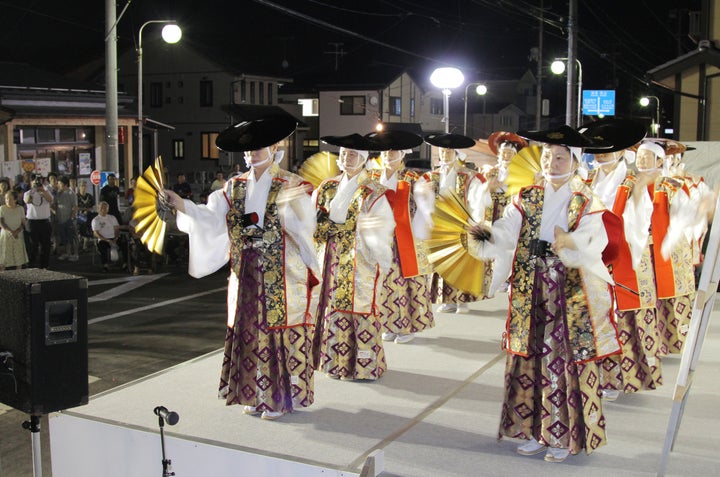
<point>171,33</point>
<point>481,90</point>
<point>644,102</point>
<point>558,67</point>
<point>446,79</point>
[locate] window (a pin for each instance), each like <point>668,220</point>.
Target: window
<point>412,107</point>
<point>45,135</point>
<point>156,96</point>
<point>243,91</point>
<point>209,151</point>
<point>206,93</point>
<point>270,93</point>
<point>309,107</point>
<point>395,105</point>
<point>261,93</point>
<point>66,134</point>
<point>436,106</point>
<point>178,147</point>
<point>352,105</point>
<point>252,92</point>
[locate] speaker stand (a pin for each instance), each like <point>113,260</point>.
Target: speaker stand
<point>33,425</point>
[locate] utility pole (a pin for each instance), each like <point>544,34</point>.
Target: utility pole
<point>339,53</point>
<point>571,94</point>
<point>538,91</point>
<point>111,162</point>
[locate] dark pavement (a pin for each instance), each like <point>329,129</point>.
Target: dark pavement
<point>137,326</point>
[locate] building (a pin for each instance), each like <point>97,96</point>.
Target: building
<point>53,123</point>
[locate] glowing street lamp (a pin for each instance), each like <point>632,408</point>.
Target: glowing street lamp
<point>644,102</point>
<point>558,67</point>
<point>171,33</point>
<point>481,90</point>
<point>446,79</point>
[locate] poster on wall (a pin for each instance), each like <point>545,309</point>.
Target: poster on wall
<point>43,166</point>
<point>85,164</point>
<point>11,169</point>
<point>65,167</point>
<point>28,165</point>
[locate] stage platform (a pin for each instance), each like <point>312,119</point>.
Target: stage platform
<point>434,413</point>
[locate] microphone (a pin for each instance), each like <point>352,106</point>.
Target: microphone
<point>170,417</point>
<point>249,219</point>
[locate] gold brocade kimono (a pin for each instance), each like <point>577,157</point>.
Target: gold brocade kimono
<point>287,291</point>
<point>356,291</point>
<point>591,331</point>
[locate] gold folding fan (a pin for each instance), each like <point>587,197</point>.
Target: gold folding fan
<point>318,167</point>
<point>151,208</point>
<point>523,169</point>
<point>447,246</point>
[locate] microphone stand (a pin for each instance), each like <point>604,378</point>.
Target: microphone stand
<point>161,412</point>
<point>166,463</point>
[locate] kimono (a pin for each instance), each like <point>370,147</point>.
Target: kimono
<point>354,235</point>
<point>266,361</point>
<point>471,187</point>
<point>639,366</point>
<point>560,320</point>
<point>405,305</point>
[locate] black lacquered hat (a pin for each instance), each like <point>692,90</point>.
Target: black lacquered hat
<point>255,134</point>
<point>563,136</point>
<point>395,140</point>
<point>450,141</point>
<point>621,133</point>
<point>354,141</point>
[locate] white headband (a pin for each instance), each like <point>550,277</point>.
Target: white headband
<point>364,154</point>
<point>654,148</point>
<point>577,152</point>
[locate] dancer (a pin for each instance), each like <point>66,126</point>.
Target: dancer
<point>560,317</point>
<point>354,235</point>
<point>639,366</point>
<point>260,221</point>
<point>405,305</point>
<point>469,185</point>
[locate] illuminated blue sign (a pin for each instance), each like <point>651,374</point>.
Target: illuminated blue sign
<point>598,102</point>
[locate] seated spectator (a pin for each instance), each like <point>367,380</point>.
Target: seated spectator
<point>218,183</point>
<point>182,188</point>
<point>106,230</point>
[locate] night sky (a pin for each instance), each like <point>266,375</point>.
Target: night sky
<point>487,39</point>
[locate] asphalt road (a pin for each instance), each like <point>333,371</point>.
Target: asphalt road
<point>137,326</point>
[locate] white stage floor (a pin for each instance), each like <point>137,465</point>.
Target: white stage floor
<point>434,413</point>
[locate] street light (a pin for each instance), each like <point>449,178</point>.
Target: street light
<point>644,102</point>
<point>446,79</point>
<point>171,33</point>
<point>558,67</point>
<point>481,90</point>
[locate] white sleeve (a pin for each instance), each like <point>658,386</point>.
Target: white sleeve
<point>683,217</point>
<point>424,196</point>
<point>378,238</point>
<point>299,220</point>
<point>478,199</point>
<point>636,218</point>
<point>501,245</point>
<point>590,239</point>
<point>206,226</point>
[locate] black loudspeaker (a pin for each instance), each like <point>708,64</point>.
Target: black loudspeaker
<point>43,340</point>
